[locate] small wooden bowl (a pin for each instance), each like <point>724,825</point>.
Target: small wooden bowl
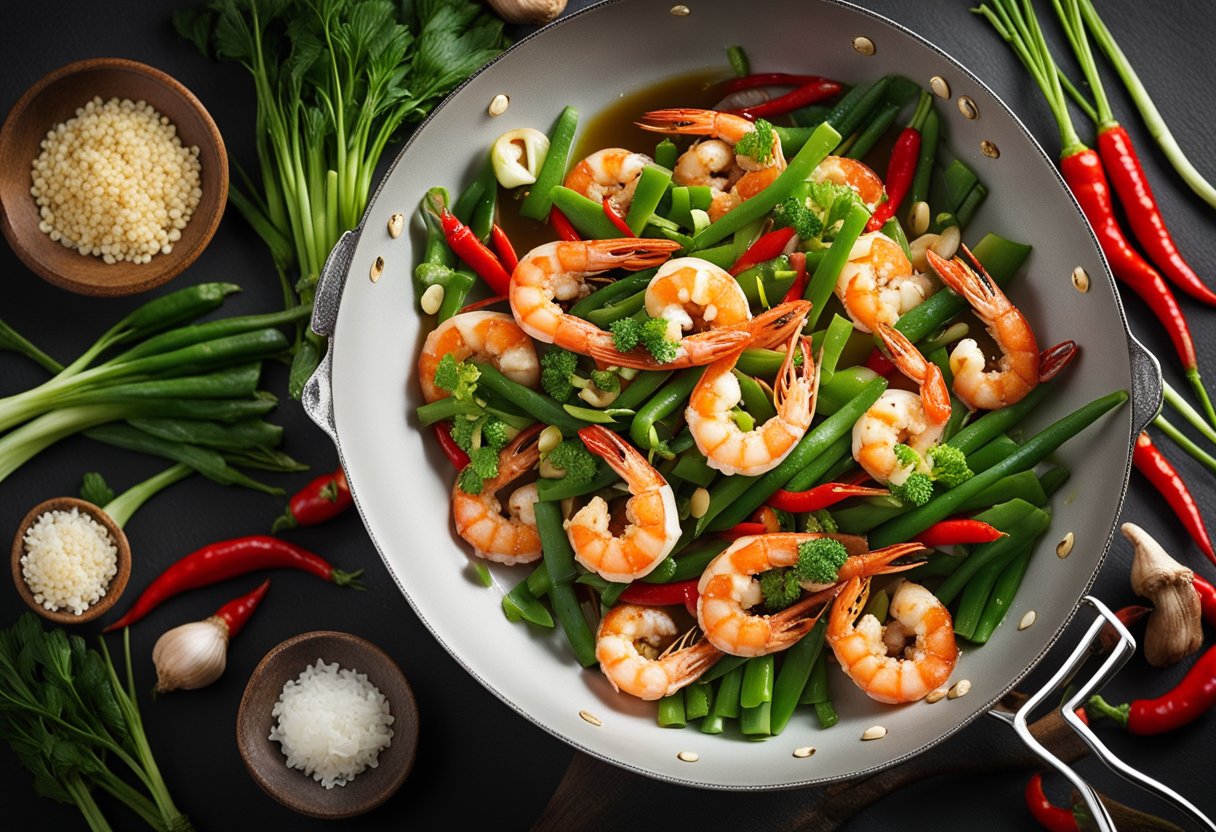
<point>53,100</point>
<point>117,584</point>
<point>265,759</point>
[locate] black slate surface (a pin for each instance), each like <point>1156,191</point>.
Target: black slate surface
<point>479,763</point>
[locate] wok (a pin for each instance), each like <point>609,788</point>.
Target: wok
<point>364,394</point>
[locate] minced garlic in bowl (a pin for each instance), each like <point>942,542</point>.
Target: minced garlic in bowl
<point>69,560</point>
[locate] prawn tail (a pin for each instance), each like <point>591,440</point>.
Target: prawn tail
<point>1053,360</point>
<point>978,288</point>
<point>849,604</point>
<point>620,456</point>
<point>777,325</point>
<point>520,454</point>
<point>694,351</point>
<point>628,253</point>
<point>904,354</point>
<point>880,561</point>
<point>691,664</point>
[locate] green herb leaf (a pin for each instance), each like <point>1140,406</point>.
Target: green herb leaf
<point>94,489</point>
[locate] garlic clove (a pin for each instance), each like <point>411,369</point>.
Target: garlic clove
<point>517,156</point>
<point>1175,628</point>
<point>191,656</point>
<point>528,11</point>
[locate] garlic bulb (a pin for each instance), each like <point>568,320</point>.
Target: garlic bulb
<point>1175,628</point>
<point>191,656</point>
<point>528,11</point>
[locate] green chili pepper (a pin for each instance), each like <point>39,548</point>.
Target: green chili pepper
<point>539,200</point>
<point>739,64</point>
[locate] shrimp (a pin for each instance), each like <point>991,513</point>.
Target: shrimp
<point>732,450</point>
<point>728,591</point>
<point>877,284</point>
<point>555,272</point>
<point>653,524</point>
<point>488,336</point>
<point>611,173</point>
<point>934,394</point>
<point>1017,371</point>
<point>841,170</point>
<point>862,647</point>
<point>735,177</point>
<point>627,646</point>
<point>479,519</point>
<point>897,418</point>
<point>694,294</point>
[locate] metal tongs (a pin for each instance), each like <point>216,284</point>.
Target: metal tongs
<point>1118,656</point>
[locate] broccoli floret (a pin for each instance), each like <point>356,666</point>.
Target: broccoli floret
<point>906,456</point>
<point>556,368</point>
<point>606,380</point>
<point>833,201</point>
<point>759,143</point>
<point>495,433</point>
<point>651,334</point>
<point>465,432</point>
<point>794,213</point>
<point>573,457</point>
<point>483,465</point>
<point>819,560</point>
<point>780,588</point>
<point>917,489</point>
<point>471,433</point>
<point>949,465</point>
<point>457,377</point>
<point>821,522</point>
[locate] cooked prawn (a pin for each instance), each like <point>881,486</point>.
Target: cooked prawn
<point>694,294</point>
<point>877,284</point>
<point>479,518</point>
<point>1017,371</point>
<point>728,591</point>
<point>841,170</point>
<point>934,393</point>
<point>488,336</point>
<point>725,445</point>
<point>628,646</point>
<point>611,173</point>
<point>556,272</point>
<point>653,524</point>
<point>897,418</point>
<point>733,176</point>
<point>862,648</point>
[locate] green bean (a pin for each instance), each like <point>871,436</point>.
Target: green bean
<point>992,453</point>
<point>559,563</point>
<point>666,154</point>
<point>757,722</point>
<point>1001,258</point>
<point>979,590</point>
<point>481,221</point>
<point>734,498</point>
<point>834,341</point>
<point>959,417</point>
<point>626,308</point>
<point>562,488</point>
<point>929,133</point>
<point>839,451</point>
<point>521,604</point>
<point>755,400</point>
<point>450,407</point>
<point>837,472</point>
<point>816,688</point>
<point>691,564</point>
<point>826,714</point>
<point>992,424</point>
<point>814,114</point>
<point>725,665</point>
<point>538,405</point>
<point>613,293</point>
<point>697,700</point>
<point>537,203</point>
<point>842,388</point>
<point>998,551</point>
<point>766,283</point>
<point>873,131</point>
<point>671,711</point>
<point>652,185</point>
<point>463,210</point>
<point>938,565</point>
<point>1003,593</point>
<point>1023,485</point>
<point>793,138</point>
<point>763,363</point>
<point>941,358</point>
<point>723,256</point>
<point>967,208</point>
<point>860,519</point>
<point>823,280</point>
<point>895,230</point>
<point>878,605</point>
<point>849,114</point>
<point>456,284</point>
<point>798,169</point>
<point>249,433</point>
<point>1053,480</point>
<point>955,183</point>
<point>692,467</point>
<point>641,388</point>
<point>663,404</point>
<point>796,664</point>
<point>207,462</point>
<point>584,214</point>
<point>739,64</point>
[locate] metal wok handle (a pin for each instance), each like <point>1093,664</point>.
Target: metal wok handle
<point>1110,666</point>
<point>317,396</point>
<point>1146,384</point>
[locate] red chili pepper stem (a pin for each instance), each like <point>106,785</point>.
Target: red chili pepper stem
<point>236,613</point>
<point>1045,813</point>
<point>1153,464</point>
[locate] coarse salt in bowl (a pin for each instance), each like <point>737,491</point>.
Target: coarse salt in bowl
<point>69,560</point>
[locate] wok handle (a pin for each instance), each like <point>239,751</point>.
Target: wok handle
<point>1110,666</point>
<point>1146,384</point>
<point>317,396</point>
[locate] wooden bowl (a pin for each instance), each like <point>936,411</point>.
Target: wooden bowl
<point>53,100</point>
<point>117,584</point>
<point>265,759</point>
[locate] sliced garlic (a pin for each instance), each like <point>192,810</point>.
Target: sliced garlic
<point>517,156</point>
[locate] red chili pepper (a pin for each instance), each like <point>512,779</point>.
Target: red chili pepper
<point>901,168</point>
<point>483,303</point>
<point>744,529</point>
<point>477,254</point>
<point>1149,461</point>
<point>322,499</point>
<point>802,96</point>
<point>1140,207</point>
<point>229,559</point>
<point>454,453</point>
<point>1108,637</point>
<point>616,219</point>
<point>565,231</point>
<point>1083,172</point>
<point>1189,700</point>
<point>821,496</point>
<point>503,248</point>
<point>879,363</point>
<point>1048,815</point>
<point>769,245</point>
<point>958,531</point>
<point>236,613</point>
<point>1207,599</point>
<point>798,287</point>
<point>663,595</point>
<point>769,79</point>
